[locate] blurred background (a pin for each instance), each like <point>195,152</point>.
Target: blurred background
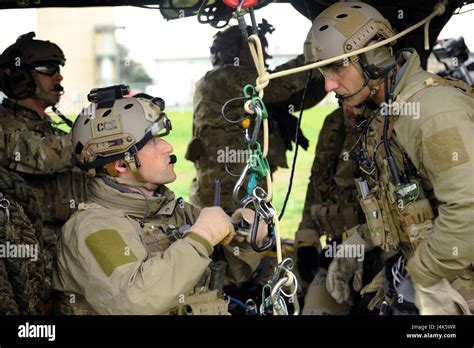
<point>138,47</point>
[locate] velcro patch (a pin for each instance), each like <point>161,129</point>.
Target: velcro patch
<point>109,250</point>
<point>446,149</point>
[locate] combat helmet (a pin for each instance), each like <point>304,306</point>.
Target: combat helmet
<point>115,127</point>
<point>21,61</point>
<point>228,43</point>
<point>345,27</point>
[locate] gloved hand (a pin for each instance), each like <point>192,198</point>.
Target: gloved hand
<point>248,215</point>
<point>343,269</point>
<point>439,299</point>
<point>214,225</point>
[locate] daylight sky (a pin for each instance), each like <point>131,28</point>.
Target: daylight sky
<point>149,36</point>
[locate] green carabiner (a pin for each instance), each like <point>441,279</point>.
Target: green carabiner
<point>258,164</point>
<point>250,93</point>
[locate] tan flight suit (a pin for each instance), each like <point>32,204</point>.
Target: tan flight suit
<point>436,233</point>
<point>120,254</point>
<point>212,134</point>
<point>40,153</point>
<point>331,204</point>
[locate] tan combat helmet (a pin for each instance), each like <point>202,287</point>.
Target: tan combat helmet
<point>20,62</point>
<point>345,27</point>
<point>115,127</point>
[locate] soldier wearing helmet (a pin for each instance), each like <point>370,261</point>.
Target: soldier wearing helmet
<point>134,248</point>
<point>233,68</point>
<point>32,146</point>
<point>415,160</point>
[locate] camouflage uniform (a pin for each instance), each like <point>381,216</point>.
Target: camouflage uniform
<point>331,207</point>
<point>163,272</point>
<point>331,204</point>
<point>212,134</point>
<point>40,154</point>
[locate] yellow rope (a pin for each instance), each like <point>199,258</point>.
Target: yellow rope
<point>438,11</point>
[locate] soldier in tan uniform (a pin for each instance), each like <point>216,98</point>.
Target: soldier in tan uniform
<point>134,248</point>
<point>213,136</point>
<point>416,159</point>
<point>32,146</point>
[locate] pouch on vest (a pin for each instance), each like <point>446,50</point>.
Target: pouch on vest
<point>417,221</point>
<point>373,215</point>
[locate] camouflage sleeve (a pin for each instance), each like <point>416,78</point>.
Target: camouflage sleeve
<point>31,152</point>
<point>321,177</point>
<point>307,233</point>
<point>444,147</point>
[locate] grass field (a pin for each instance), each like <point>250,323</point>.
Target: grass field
<point>311,124</point>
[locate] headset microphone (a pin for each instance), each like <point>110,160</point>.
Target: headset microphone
<point>173,159</point>
<point>58,88</point>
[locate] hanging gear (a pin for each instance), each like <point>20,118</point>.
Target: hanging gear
<point>227,44</point>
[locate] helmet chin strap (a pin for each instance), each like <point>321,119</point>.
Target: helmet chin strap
<point>133,163</point>
<point>374,88</point>
<point>342,97</point>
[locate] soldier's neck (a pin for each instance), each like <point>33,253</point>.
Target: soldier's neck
<point>35,105</point>
<point>379,97</point>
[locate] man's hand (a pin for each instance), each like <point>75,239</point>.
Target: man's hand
<point>439,299</point>
<point>343,269</point>
<point>248,215</point>
<point>214,225</point>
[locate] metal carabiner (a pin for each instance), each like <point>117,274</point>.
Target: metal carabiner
<point>258,121</point>
<point>262,207</point>
<point>261,210</point>
<point>235,194</point>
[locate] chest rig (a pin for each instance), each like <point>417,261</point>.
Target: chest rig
<point>207,297</point>
<point>399,215</point>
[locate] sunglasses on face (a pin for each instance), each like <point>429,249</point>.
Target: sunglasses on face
<point>48,69</point>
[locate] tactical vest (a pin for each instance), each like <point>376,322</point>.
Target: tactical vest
<point>158,237</point>
<point>398,218</point>
<point>338,209</point>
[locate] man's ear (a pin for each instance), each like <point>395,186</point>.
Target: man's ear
<point>120,166</point>
<point>113,169</point>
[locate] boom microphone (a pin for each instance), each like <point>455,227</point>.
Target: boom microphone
<point>173,159</point>
<point>58,88</point>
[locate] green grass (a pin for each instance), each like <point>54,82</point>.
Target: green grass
<point>311,125</point>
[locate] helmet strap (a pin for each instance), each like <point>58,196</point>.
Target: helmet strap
<point>134,164</point>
